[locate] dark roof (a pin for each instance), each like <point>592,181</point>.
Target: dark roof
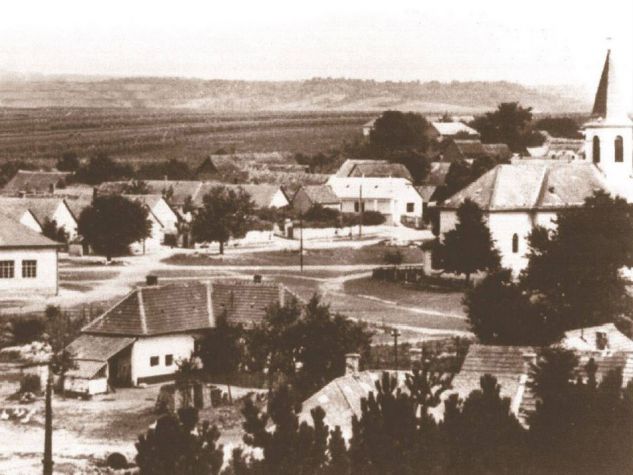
<point>98,347</point>
<point>34,181</point>
<point>529,185</point>
<point>426,192</point>
<point>602,94</point>
<point>437,173</point>
<point>42,208</point>
<point>373,169</point>
<point>321,194</point>
<point>261,194</point>
<point>180,189</point>
<point>15,235</point>
<point>182,307</point>
<point>476,149</point>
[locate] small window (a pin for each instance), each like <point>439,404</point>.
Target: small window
<point>515,243</point>
<point>7,269</point>
<point>29,269</point>
<point>153,361</point>
<point>410,207</point>
<point>358,207</point>
<point>169,360</point>
<point>619,149</point>
<point>596,150</point>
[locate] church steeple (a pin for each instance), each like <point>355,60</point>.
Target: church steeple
<point>609,104</point>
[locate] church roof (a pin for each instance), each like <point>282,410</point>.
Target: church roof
<point>610,102</point>
<point>530,185</point>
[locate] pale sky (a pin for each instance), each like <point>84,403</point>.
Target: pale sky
<point>535,42</point>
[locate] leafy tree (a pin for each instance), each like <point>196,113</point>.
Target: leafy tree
<point>574,270</point>
<point>171,169</point>
<point>54,232</point>
<point>220,349</point>
<point>509,124</point>
<point>186,375</point>
<point>501,313</point>
<point>102,168</point>
<point>458,177</point>
<point>395,130</point>
<point>565,127</point>
<point>224,215</point>
<point>482,434</point>
<point>136,187</point>
<point>580,425</point>
<point>469,247</point>
<point>416,162</point>
<point>68,162</point>
<point>179,445</point>
<point>61,330</point>
<point>111,223</point>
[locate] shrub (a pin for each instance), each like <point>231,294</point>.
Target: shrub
<point>30,383</point>
<point>27,329</point>
<point>116,461</point>
<point>393,257</point>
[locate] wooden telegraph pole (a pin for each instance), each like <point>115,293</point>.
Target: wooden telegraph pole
<point>301,244</point>
<point>360,210</point>
<point>47,462</point>
<point>395,333</point>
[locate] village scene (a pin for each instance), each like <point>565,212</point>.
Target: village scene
<point>417,290</point>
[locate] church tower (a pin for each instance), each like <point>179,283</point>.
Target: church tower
<point>609,134</point>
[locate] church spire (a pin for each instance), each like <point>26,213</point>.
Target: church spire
<point>609,103</point>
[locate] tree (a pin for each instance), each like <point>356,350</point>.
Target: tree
<point>136,187</point>
<point>102,168</point>
<point>575,270</point>
<point>186,376</point>
<point>111,223</point>
<point>180,445</point>
<point>68,162</point>
<point>54,232</point>
<point>458,177</point>
<point>469,247</point>
<point>395,130</point>
<point>171,169</point>
<point>501,313</point>
<point>224,215</point>
<point>509,124</point>
<point>565,127</point>
<point>416,162</point>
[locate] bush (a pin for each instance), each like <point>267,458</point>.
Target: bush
<point>393,257</point>
<point>116,461</point>
<point>27,329</point>
<point>30,383</point>
<point>370,218</point>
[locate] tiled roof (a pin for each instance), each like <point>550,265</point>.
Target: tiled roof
<point>372,188</point>
<point>321,194</point>
<point>261,194</point>
<point>373,168</point>
<point>86,369</point>
<point>453,128</point>
<point>78,203</point>
<point>181,189</point>
<point>530,185</point>
<point>175,308</point>
<point>15,235</point>
<point>426,192</point>
<point>476,149</point>
<point>97,347</point>
<point>585,339</point>
<point>341,399</point>
<point>34,181</point>
<point>42,208</point>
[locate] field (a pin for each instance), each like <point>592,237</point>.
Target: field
<point>41,135</point>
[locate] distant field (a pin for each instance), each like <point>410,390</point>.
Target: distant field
<point>43,134</point>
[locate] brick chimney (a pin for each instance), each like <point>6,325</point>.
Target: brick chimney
<point>352,364</point>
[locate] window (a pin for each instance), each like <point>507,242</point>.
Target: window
<point>169,360</point>
<point>619,149</point>
<point>357,207</point>
<point>7,269</point>
<point>153,361</point>
<point>596,150</point>
<point>29,269</point>
<point>515,243</point>
<point>410,207</point>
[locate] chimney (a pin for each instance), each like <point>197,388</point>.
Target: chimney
<point>95,192</point>
<point>602,341</point>
<point>529,358</point>
<point>151,280</point>
<point>257,278</point>
<point>352,364</point>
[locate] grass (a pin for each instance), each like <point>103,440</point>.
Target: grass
<point>367,255</point>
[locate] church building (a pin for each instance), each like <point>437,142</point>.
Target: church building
<point>518,196</point>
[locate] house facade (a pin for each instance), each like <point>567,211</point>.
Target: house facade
<point>312,195</point>
<point>28,261</point>
<point>34,212</point>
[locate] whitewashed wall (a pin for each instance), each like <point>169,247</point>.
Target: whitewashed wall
<point>180,346</point>
<point>46,281</point>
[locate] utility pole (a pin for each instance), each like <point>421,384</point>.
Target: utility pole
<point>360,209</point>
<point>395,333</point>
<point>47,462</point>
<point>301,244</point>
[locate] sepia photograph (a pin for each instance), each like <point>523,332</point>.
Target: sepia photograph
<point>316,238</point>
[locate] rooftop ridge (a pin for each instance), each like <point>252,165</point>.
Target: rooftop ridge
<point>141,310</point>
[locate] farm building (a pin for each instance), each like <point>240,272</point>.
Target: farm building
<point>28,261</point>
<point>142,337</point>
<point>441,131</point>
<point>28,182</point>
<point>474,149</point>
<point>164,219</point>
<point>373,169</point>
<point>176,192</point>
<point>516,197</point>
<point>36,211</point>
<point>220,168</point>
<point>263,195</point>
<point>395,198</point>
<point>602,338</point>
<point>312,195</point>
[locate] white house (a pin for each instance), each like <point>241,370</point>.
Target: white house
<point>35,211</point>
<point>395,198</point>
<point>141,338</point>
<point>263,195</point>
<point>28,261</point>
<point>164,222</point>
<point>446,130</point>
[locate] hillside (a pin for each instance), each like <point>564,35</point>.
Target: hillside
<point>283,96</point>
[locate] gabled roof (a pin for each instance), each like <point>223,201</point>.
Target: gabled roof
<point>78,203</point>
<point>476,149</point>
<point>531,185</point>
<point>97,347</point>
<point>370,188</point>
<point>41,208</point>
<point>373,169</point>
<point>181,189</point>
<point>183,307</point>
<point>261,194</point>
<point>321,194</point>
<point>15,235</point>
<point>34,181</point>
<point>448,129</point>
<point>585,339</point>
